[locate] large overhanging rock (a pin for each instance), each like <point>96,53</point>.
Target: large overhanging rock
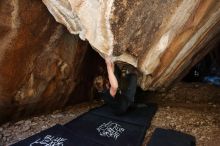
<point>163,39</point>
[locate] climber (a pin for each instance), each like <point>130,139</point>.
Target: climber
<point>119,90</point>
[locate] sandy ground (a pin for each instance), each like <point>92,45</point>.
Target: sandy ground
<point>189,108</point>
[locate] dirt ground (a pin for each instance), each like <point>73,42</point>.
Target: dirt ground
<point>190,108</point>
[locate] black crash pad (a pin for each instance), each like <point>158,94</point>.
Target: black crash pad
<point>102,126</point>
<point>168,137</point>
<point>56,136</point>
<point>98,127</point>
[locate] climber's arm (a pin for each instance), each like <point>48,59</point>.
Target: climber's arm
<point>112,78</point>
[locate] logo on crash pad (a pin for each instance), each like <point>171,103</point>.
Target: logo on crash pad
<point>49,140</point>
<point>110,129</point>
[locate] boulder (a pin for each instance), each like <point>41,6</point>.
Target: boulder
<point>163,39</point>
<point>40,61</point>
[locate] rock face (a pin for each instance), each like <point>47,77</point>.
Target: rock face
<point>42,64</point>
<point>163,39</point>
<point>40,61</point>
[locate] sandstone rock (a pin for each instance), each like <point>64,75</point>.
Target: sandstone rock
<point>40,61</point>
<point>163,39</point>
<point>42,64</point>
